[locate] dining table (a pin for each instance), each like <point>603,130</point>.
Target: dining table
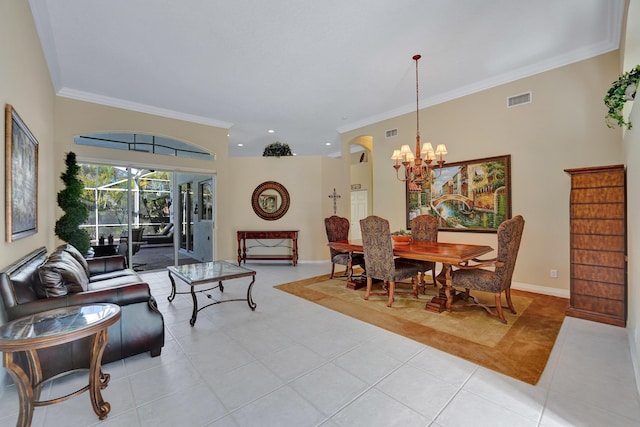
<point>448,254</point>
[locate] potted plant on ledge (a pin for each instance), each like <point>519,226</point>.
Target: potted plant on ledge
<point>622,90</point>
<point>277,149</point>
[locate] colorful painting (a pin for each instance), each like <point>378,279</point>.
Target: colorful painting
<point>473,195</point>
<point>21,178</point>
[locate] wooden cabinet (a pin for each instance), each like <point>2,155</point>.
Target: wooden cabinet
<point>598,244</point>
<point>258,235</point>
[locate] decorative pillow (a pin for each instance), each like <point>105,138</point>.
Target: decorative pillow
<point>51,283</point>
<point>71,250</point>
<point>61,274</point>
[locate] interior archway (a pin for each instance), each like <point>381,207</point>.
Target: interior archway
<point>361,180</point>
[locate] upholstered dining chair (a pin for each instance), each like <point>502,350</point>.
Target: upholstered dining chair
<point>381,264</point>
<point>476,277</point>
<point>337,229</point>
<point>424,228</point>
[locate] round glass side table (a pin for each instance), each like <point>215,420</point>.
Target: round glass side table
<point>49,328</point>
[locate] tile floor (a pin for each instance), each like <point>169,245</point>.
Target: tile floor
<point>294,363</point>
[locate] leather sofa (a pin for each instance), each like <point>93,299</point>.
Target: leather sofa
<point>23,291</point>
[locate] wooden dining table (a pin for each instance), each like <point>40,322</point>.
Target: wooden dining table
<point>446,253</point>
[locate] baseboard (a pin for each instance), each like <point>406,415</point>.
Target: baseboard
<point>555,292</point>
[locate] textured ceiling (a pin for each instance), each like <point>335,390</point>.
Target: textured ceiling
<point>307,69</point>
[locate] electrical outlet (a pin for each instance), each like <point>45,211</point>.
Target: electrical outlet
<point>554,273</point>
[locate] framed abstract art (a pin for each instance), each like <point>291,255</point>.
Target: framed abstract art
<point>21,177</point>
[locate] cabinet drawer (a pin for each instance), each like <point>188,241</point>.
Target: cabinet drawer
<point>597,243</point>
<point>599,305</point>
<point>598,274</point>
<point>598,258</point>
<point>597,211</point>
<point>610,178</point>
<point>598,289</point>
<point>597,195</point>
<point>595,226</point>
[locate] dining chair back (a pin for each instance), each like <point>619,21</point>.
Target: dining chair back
<point>498,280</point>
<point>379,259</point>
<point>337,229</point>
<point>424,228</point>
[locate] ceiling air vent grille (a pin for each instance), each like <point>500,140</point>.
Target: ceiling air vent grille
<point>523,98</point>
<point>391,133</point>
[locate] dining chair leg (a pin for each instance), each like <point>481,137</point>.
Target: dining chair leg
<point>333,268</point>
<point>369,282</point>
<point>392,288</point>
<point>499,309</point>
<point>507,295</point>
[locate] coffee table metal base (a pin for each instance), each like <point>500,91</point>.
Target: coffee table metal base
<point>220,277</point>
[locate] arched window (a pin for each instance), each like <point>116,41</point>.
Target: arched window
<point>143,143</point>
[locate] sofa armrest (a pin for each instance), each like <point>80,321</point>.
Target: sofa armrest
<point>106,264</point>
<point>120,295</point>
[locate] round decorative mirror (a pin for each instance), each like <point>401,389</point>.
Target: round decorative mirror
<point>270,200</point>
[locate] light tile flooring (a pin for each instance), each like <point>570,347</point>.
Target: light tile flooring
<point>294,363</point>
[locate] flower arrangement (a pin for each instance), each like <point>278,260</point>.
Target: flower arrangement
<point>401,233</point>
<point>401,237</point>
<point>622,90</point>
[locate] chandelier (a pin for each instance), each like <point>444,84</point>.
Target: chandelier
<point>418,167</point>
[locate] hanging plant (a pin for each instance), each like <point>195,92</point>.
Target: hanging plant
<point>622,90</point>
<point>277,149</point>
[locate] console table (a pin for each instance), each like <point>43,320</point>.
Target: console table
<point>282,235</point>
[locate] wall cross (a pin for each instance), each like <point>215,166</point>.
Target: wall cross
<point>335,196</point>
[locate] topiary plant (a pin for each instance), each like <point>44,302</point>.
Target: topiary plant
<point>622,90</point>
<point>75,212</point>
<point>277,149</point>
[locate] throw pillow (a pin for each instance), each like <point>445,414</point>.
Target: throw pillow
<point>61,271</point>
<point>71,250</point>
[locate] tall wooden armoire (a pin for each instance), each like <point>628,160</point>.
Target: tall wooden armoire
<point>598,244</point>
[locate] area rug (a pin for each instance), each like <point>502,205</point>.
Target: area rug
<point>519,349</point>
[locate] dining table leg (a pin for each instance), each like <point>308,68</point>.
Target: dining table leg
<point>446,294</point>
<point>358,283</point>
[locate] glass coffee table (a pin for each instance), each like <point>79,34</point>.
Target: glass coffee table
<point>204,274</point>
<point>53,327</point>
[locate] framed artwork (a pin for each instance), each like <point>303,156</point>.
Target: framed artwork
<point>473,195</point>
<point>21,178</point>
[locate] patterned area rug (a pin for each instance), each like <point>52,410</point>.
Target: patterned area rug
<point>519,349</point>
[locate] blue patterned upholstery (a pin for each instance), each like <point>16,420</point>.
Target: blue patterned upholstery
<point>378,257</point>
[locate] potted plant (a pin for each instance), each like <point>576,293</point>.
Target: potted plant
<point>277,149</point>
<point>75,212</point>
<point>401,237</point>
<point>622,90</point>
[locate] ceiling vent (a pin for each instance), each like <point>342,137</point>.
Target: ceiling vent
<point>391,133</point>
<point>523,98</point>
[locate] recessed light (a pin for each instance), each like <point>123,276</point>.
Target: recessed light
<point>240,145</point>
<point>271,131</point>
<point>327,144</point>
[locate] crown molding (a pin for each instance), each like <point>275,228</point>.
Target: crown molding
<point>141,108</point>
